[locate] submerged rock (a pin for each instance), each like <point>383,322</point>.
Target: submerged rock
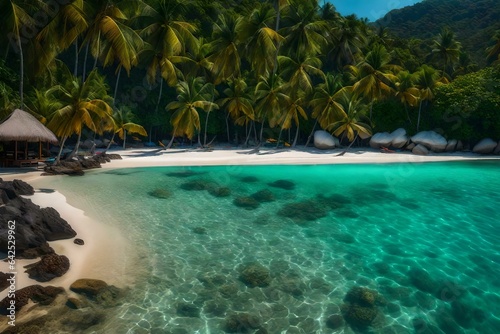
<point>48,268</point>
<point>303,211</point>
<point>263,196</point>
<point>283,184</point>
<point>187,310</point>
<point>422,280</point>
<point>241,323</point>
<point>249,179</point>
<point>246,202</point>
<point>220,192</point>
<point>361,308</point>
<point>98,291</point>
<point>43,295</point>
<point>335,321</point>
<point>255,275</point>
<point>160,193</point>
<point>198,185</point>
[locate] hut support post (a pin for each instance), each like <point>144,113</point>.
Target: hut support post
<point>15,152</point>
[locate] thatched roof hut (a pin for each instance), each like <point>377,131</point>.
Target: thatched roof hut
<point>21,126</point>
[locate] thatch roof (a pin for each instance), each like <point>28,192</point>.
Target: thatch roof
<point>21,126</point>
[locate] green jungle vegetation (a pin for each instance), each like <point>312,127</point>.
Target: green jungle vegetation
<point>245,71</point>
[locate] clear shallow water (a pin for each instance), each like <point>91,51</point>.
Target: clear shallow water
<point>424,236</point>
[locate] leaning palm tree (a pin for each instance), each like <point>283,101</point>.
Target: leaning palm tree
<point>14,15</point>
<point>238,103</point>
<point>192,95</point>
<point>427,80</point>
<point>123,124</point>
<point>324,102</point>
<point>373,76</point>
<point>349,120</point>
<point>81,104</point>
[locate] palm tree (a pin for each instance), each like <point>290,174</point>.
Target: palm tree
<point>446,49</point>
<point>271,98</point>
<point>405,90</point>
<point>123,124</point>
<point>374,78</point>
<point>238,103</point>
<point>15,16</point>
<point>293,109</point>
<point>303,30</point>
<point>193,94</point>
<point>349,119</point>
<point>324,103</point>
<point>298,71</point>
<point>427,80</point>
<point>345,42</point>
<point>494,50</point>
<point>261,41</point>
<point>82,103</point>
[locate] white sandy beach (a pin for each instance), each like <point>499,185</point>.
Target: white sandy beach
<point>103,255</point>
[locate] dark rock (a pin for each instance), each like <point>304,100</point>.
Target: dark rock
<point>198,185</point>
<point>56,227</point>
<point>283,184</point>
<point>73,168</point>
<point>22,188</point>
<point>220,192</point>
<point>199,230</point>
<point>263,196</point>
<point>79,241</point>
<point>361,296</point>
<point>466,315</point>
<point>76,303</point>
<point>303,211</point>
<point>345,238</point>
<point>4,284</point>
<point>215,307</point>
<point>228,290</point>
<point>422,280</point>
<point>335,321</point>
<point>187,310</point>
<point>33,253</point>
<point>90,163</point>
<point>101,158</point>
<point>360,316</point>
<point>361,309</point>
<point>48,268</point>
<point>160,193</point>
<point>37,293</point>
<point>85,318</point>
<point>88,287</point>
<point>292,285</point>
<point>422,327</point>
<point>241,323</point>
<point>249,179</point>
<point>113,156</point>
<point>255,275</point>
<point>246,202</point>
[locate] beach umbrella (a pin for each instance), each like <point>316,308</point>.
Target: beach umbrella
<point>22,126</point>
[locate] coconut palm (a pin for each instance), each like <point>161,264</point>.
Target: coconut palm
<point>345,42</point>
<point>349,120</point>
<point>324,102</point>
<point>373,76</point>
<point>299,70</point>
<point>238,103</point>
<point>291,112</point>
<point>494,50</point>
<point>427,80</point>
<point>270,99</point>
<point>82,103</point>
<point>193,95</point>
<point>303,30</point>
<point>14,15</point>
<point>123,124</point>
<point>261,41</point>
<point>446,49</point>
<point>405,90</point>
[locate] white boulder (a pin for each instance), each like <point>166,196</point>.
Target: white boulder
<point>410,146</point>
<point>497,149</point>
<point>420,150</point>
<point>87,144</point>
<point>460,146</point>
<point>431,140</point>
<point>381,139</point>
<point>325,141</point>
<point>485,146</point>
<point>452,145</point>
<point>399,138</point>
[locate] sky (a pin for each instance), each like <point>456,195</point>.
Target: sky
<point>371,9</point>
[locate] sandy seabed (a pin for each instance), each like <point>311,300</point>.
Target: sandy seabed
<point>105,254</point>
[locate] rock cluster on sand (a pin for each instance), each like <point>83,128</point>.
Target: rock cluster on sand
<point>325,141</point>
<point>397,139</point>
<point>485,146</point>
<point>77,167</point>
<point>34,225</point>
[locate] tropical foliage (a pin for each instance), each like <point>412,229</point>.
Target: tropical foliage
<point>270,66</point>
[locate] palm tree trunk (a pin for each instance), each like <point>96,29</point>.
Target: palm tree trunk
<point>171,140</point>
<point>58,158</point>
<point>227,128</point>
<point>116,85</point>
<point>407,113</point>
<point>205,132</point>
<point>262,128</point>
<point>371,110</point>
<point>110,142</point>
<point>159,96</point>
<point>84,73</point>
<point>419,111</point>
<point>279,138</point>
<point>98,49</point>
<point>75,72</point>
<point>348,147</point>
<point>312,132</point>
<point>21,79</point>
<point>296,136</point>
<point>124,138</point>
<point>77,146</point>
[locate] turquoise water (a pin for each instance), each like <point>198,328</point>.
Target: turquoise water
<point>423,236</point>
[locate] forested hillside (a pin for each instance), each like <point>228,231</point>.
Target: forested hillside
<point>473,21</point>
